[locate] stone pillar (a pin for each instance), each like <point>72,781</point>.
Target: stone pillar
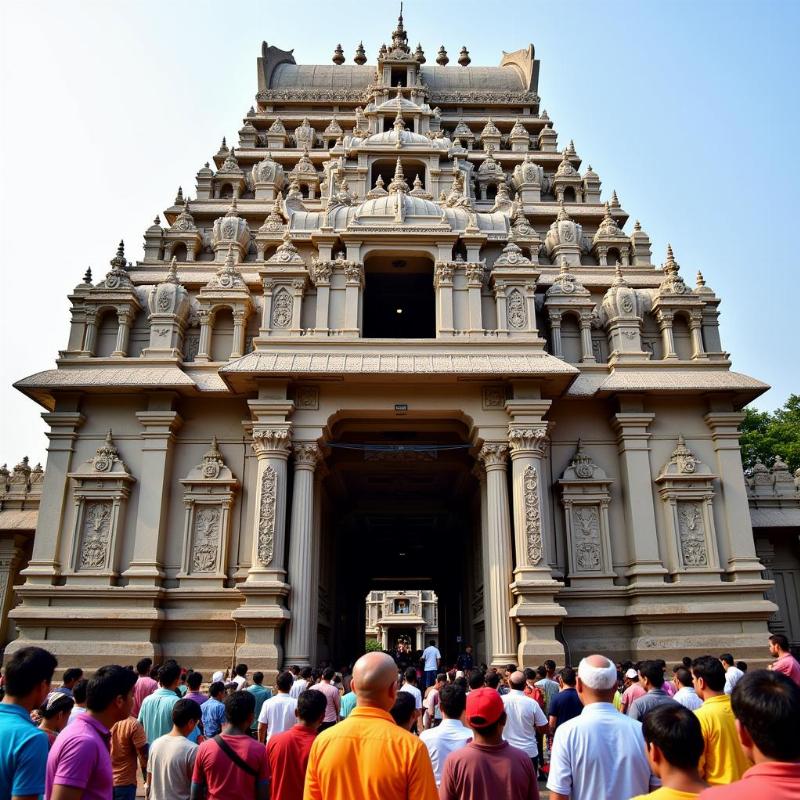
<point>10,555</point>
<point>443,282</point>
<point>239,321</point>
<point>90,333</point>
<point>123,332</point>
<point>480,474</point>
<point>644,561</point>
<point>266,312</point>
<point>354,281</point>
<point>45,565</point>
<point>298,289</point>
<point>736,546</point>
<point>500,302</point>
<point>665,324</point>
<point>204,346</point>
<point>321,274</point>
<point>265,588</point>
<point>302,592</point>
<point>475,274</point>
<point>159,423</point>
<point>696,330</point>
<point>587,353</point>
<point>555,334</point>
<point>502,649</point>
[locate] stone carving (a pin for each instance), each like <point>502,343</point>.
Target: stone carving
<point>684,459</point>
<point>586,530</point>
<point>533,521</point>
<point>516,311</point>
<point>271,440</point>
<point>106,456</point>
<point>282,309</point>
<point>493,454</point>
<point>307,397</point>
<point>96,535</point>
<point>529,439</point>
<point>493,397</point>
<point>692,536</point>
<point>266,516</point>
<point>206,540</point>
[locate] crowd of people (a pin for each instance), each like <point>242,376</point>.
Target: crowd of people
<point>386,731</point>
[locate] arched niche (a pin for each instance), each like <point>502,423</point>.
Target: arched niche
<point>222,335</point>
<point>106,340</point>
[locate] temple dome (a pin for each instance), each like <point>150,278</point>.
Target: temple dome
<point>405,137</point>
<point>386,206</point>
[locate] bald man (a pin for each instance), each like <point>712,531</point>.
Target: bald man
<point>367,756</point>
<point>600,753</point>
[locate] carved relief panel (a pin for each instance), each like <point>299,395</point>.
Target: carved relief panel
<point>585,497</point>
<point>686,487</point>
<point>209,489</point>
<point>101,488</point>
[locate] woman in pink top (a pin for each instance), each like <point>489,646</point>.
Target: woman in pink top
<point>334,698</point>
<point>145,685</point>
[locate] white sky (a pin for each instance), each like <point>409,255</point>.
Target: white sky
<point>689,110</point>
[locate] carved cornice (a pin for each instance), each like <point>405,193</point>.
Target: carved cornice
<point>272,441</point>
<point>529,439</point>
<point>323,95</point>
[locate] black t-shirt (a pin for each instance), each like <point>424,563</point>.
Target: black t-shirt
<point>464,662</point>
<point>565,705</point>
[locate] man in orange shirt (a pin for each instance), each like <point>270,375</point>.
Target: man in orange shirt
<point>367,756</point>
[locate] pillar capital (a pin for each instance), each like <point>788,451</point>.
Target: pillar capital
<point>530,440</point>
<point>272,441</point>
<point>306,455</point>
<point>493,455</point>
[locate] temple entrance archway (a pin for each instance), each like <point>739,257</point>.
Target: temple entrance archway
<point>401,512</point>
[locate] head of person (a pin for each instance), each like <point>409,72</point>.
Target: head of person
<point>631,676</point>
<point>778,645</point>
<point>727,661</point>
<point>375,681</point>
<point>311,706</point>
<point>566,677</point>
<point>741,665</point>
<point>71,677</point>
<point>651,675</point>
<point>516,680</point>
<point>169,675</point>
<point>219,675</point>
<point>441,679</point>
<point>79,692</point>
<point>687,662</point>
<point>186,714</point>
<point>492,680</point>
<point>462,682</point>
<point>216,690</point>
<point>306,673</point>
<point>509,669</point>
<point>541,672</point>
<point>485,714</point>
<point>329,674</point>
<point>683,677</point>
<point>550,666</point>
<point>241,670</point>
<point>597,679</point>
<point>530,675</point>
<point>452,701</point>
<point>284,681</point>
<point>194,680</point>
<point>295,670</point>
<point>410,675</point>
<point>709,676</point>
<point>143,666</point>
<point>404,710</point>
<point>766,705</point>
<point>258,678</point>
<point>55,710</point>
<point>673,736</point>
<point>240,707</point>
<point>28,675</point>
<point>468,649</point>
<point>477,679</point>
<point>432,642</point>
<point>110,692</point>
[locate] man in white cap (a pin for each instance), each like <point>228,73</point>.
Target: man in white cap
<point>633,690</point>
<point>600,753</point>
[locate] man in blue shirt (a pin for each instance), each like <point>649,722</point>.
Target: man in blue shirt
<point>566,704</point>
<point>156,711</point>
<point>23,747</point>
<point>261,694</point>
<point>214,710</point>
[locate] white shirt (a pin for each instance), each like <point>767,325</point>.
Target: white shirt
<point>732,676</point>
<point>76,712</point>
<point>688,698</point>
<point>599,754</point>
<point>298,687</point>
<point>407,687</point>
<point>240,681</point>
<point>523,713</point>
<point>431,655</point>
<point>171,761</point>
<point>442,740</point>
<point>277,714</point>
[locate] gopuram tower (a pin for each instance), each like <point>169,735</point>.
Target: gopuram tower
<point>396,338</point>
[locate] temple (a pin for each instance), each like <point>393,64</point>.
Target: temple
<point>397,339</point>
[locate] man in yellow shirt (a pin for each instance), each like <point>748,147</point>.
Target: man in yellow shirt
<point>367,756</point>
<point>723,760</point>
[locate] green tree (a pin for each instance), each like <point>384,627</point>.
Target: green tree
<point>372,645</point>
<point>765,434</point>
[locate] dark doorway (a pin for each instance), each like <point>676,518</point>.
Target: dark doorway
<point>399,299</point>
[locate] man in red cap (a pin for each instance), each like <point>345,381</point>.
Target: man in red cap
<point>488,766</point>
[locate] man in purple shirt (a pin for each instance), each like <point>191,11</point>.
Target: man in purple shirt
<point>193,681</point>
<point>79,764</point>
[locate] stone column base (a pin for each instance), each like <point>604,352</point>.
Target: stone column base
<point>262,617</point>
<point>537,613</point>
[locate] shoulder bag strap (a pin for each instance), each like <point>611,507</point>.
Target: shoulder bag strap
<point>234,756</point>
